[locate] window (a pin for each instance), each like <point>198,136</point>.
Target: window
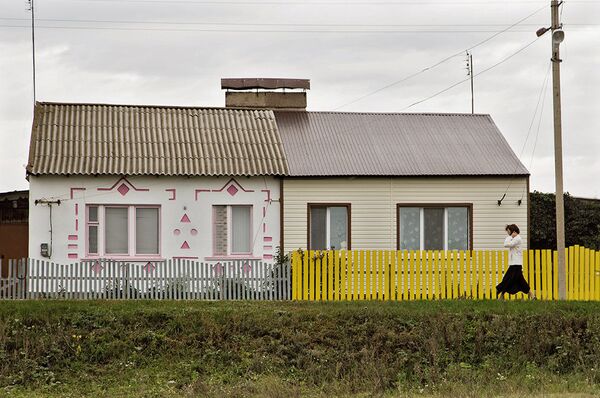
<point>232,230</point>
<point>435,227</point>
<point>123,230</point>
<point>329,226</point>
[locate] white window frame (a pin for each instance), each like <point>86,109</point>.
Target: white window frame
<point>230,252</point>
<point>445,227</point>
<point>131,232</point>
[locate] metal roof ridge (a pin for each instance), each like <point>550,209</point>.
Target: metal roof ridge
<point>392,113</point>
<point>148,106</point>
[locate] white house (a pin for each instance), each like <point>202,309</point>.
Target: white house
<point>145,183</point>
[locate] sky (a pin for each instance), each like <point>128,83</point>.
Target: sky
<point>360,55</point>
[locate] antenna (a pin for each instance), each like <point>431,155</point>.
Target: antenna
<point>470,73</point>
<point>30,8</point>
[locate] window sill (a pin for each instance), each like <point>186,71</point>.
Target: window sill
<point>232,257</point>
<point>124,258</point>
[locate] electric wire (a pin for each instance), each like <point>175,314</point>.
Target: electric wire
<point>325,3</point>
<point>111,21</point>
<point>335,31</point>
<point>475,75</point>
<point>536,134</point>
<point>540,98</point>
<point>439,62</point>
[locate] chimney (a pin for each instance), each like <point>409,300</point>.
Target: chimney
<point>253,93</point>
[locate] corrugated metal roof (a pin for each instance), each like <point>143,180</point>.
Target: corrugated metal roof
<point>153,140</point>
<point>394,144</point>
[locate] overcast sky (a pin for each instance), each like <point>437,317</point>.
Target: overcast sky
<point>174,52</point>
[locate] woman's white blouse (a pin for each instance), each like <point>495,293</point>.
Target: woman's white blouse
<point>515,254</point>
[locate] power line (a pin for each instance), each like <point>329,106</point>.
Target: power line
<point>325,3</point>
<point>540,97</point>
<point>275,24</point>
<point>439,62</point>
<point>539,121</point>
<point>475,75</point>
<point>370,124</point>
<point>335,31</point>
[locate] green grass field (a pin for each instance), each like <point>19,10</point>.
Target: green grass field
<point>239,349</point>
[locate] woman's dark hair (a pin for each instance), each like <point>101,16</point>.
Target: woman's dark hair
<point>512,228</point>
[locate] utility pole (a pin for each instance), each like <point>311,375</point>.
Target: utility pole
<point>557,37</point>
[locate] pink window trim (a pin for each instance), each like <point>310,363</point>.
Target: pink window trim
<point>128,258</point>
<point>72,246</point>
<point>72,255</point>
<point>131,232</point>
<point>268,239</point>
<point>268,257</point>
<point>268,192</point>
<point>73,237</point>
<point>231,257</point>
<point>126,181</point>
<point>232,181</point>
<point>72,191</point>
<point>173,193</point>
<point>197,191</point>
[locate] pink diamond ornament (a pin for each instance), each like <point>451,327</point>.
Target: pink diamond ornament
<point>247,268</point>
<point>149,267</point>
<point>232,190</point>
<point>123,189</point>
<point>97,267</point>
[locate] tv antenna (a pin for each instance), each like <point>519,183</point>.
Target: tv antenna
<point>470,73</point>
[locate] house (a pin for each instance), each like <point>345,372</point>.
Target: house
<point>399,181</point>
<point>142,183</point>
<point>146,183</point>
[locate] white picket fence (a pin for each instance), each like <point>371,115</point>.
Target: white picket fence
<point>177,279</point>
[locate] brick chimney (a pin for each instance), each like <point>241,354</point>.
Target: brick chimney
<point>269,93</point>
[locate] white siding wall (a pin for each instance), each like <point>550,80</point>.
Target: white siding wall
<point>69,221</point>
<point>374,203</point>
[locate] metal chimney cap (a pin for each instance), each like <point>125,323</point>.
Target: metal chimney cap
<point>264,83</point>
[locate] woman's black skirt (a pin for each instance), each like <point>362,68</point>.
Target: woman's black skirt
<point>513,281</point>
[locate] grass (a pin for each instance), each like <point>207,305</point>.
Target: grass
<point>241,349</point>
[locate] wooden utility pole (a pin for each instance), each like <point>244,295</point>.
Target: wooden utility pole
<point>557,38</point>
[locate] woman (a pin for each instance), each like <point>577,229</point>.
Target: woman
<point>513,281</point>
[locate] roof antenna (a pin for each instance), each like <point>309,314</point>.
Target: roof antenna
<point>30,8</point>
<point>469,69</point>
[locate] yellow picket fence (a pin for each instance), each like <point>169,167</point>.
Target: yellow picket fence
<point>432,275</point>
